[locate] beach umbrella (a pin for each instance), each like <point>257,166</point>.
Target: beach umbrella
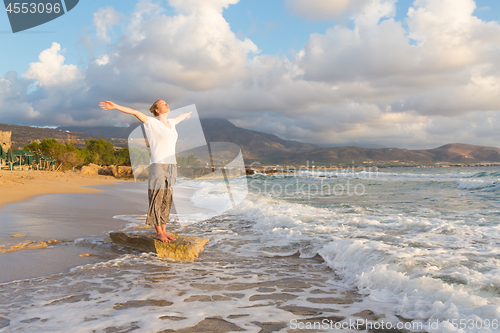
<point>53,163</point>
<point>44,160</point>
<point>23,156</point>
<point>21,152</point>
<point>2,155</point>
<point>10,158</point>
<point>37,161</point>
<point>48,159</point>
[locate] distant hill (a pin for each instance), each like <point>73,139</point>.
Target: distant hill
<point>255,145</point>
<point>270,149</point>
<point>463,153</point>
<point>22,135</point>
<point>102,131</point>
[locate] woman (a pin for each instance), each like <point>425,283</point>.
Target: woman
<point>162,136</point>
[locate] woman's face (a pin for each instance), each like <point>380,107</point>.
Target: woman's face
<point>162,107</point>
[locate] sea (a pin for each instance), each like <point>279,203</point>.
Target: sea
<point>417,249</point>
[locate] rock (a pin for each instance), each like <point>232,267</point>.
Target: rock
<point>274,297</point>
<point>91,169</point>
<point>141,172</point>
<point>208,325</point>
<point>122,171</point>
<point>141,303</point>
<point>333,300</point>
<point>268,327</point>
<point>183,248</point>
<point>4,322</point>
<point>111,170</point>
<point>193,172</point>
<point>107,171</point>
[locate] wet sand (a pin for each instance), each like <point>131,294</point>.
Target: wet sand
<point>18,185</point>
<point>39,235</point>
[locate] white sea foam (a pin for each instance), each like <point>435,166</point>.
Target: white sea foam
<point>474,184</point>
<point>440,267</point>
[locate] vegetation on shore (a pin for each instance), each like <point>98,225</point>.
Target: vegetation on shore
<point>97,151</point>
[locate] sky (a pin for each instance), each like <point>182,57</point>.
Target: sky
<point>411,74</point>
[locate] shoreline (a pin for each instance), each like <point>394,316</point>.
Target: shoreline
<point>48,234</point>
<point>284,169</point>
<point>18,185</point>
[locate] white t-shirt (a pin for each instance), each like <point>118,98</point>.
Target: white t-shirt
<point>161,140</point>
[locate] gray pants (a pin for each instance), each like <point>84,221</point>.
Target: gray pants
<point>160,186</point>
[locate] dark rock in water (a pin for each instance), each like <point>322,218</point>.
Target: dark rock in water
<point>141,303</point>
<point>4,322</point>
<point>183,248</point>
<point>208,325</point>
<point>268,327</point>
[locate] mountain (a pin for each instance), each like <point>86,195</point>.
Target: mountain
<point>270,149</point>
<point>255,145</point>
<point>463,153</point>
<point>455,153</point>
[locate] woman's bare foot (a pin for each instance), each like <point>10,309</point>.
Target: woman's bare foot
<point>163,229</point>
<point>162,237</point>
<point>169,237</point>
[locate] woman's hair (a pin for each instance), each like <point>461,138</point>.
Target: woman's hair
<point>154,107</point>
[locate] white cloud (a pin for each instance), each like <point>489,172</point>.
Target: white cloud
<point>28,111</point>
<point>50,71</point>
<point>453,67</point>
<point>104,20</point>
<point>195,49</point>
<point>102,60</point>
<point>144,9</point>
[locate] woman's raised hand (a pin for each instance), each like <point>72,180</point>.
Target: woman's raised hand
<point>188,115</point>
<point>107,105</point>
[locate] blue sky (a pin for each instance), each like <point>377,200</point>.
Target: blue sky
<point>294,71</point>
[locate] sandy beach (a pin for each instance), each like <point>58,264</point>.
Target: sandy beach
<point>21,185</point>
<point>43,209</point>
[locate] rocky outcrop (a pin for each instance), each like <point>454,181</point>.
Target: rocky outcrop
<point>141,172</point>
<point>106,170</point>
<point>183,248</point>
<point>111,170</point>
<point>91,169</point>
<point>122,171</point>
<point>5,140</point>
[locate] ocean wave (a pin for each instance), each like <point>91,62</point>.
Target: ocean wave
<point>420,288</point>
<point>475,184</point>
<point>428,267</point>
<point>486,174</point>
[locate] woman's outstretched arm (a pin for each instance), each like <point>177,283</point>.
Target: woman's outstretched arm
<point>181,117</point>
<point>108,105</point>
